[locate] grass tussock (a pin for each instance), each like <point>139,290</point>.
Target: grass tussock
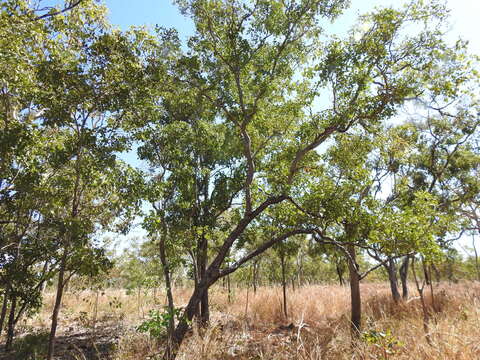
<point>253,326</point>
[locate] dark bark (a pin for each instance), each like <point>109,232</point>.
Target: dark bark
<point>202,264</point>
<point>4,309</point>
<point>340,271</point>
<point>205,311</point>
<point>356,303</point>
<point>434,306</point>
<point>392,277</point>
<point>56,308</point>
<point>71,6</point>
<point>171,305</point>
<point>183,325</point>
<point>196,280</point>
<point>403,276</point>
<point>426,274</point>
<point>11,324</point>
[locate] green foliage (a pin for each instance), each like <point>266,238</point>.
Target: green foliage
<point>157,324</point>
<point>384,341</point>
<point>259,126</point>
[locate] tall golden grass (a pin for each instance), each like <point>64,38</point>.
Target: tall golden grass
<point>253,326</point>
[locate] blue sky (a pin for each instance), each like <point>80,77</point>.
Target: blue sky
<point>124,13</point>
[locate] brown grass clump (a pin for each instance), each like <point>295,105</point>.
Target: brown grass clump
<point>317,326</point>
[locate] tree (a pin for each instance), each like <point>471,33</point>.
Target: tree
<point>249,63</point>
<point>285,250</point>
<point>72,92</point>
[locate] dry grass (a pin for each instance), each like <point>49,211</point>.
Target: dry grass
<point>253,330</point>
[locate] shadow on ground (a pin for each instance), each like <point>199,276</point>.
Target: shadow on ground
<point>97,344</point>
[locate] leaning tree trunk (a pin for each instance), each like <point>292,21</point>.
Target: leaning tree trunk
<point>213,273</point>
<point>392,277</point>
<point>183,324</point>
<point>356,303</point>
<point>403,276</point>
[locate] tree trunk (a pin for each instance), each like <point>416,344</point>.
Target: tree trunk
<point>254,277</point>
<point>196,280</point>
<point>204,305</point>
<point>356,303</point>
<point>67,284</point>
<point>246,304</point>
<point>4,309</point>
<point>11,324</point>
<point>392,277</point>
<point>437,273</point>
<point>171,305</point>
<point>229,290</point>
<point>426,313</point>
<point>63,263</point>
<point>434,306</point>
<point>284,286</point>
<point>403,276</point>
<point>426,274</point>
<point>205,311</point>
<point>300,271</point>
<point>183,324</point>
<point>340,272</point>
<point>56,308</point>
<point>213,272</point>
<point>475,253</point>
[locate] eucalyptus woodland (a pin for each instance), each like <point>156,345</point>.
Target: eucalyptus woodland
<point>263,85</point>
<point>261,131</point>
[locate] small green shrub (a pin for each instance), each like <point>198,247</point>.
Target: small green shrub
<point>157,323</point>
<point>384,341</point>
